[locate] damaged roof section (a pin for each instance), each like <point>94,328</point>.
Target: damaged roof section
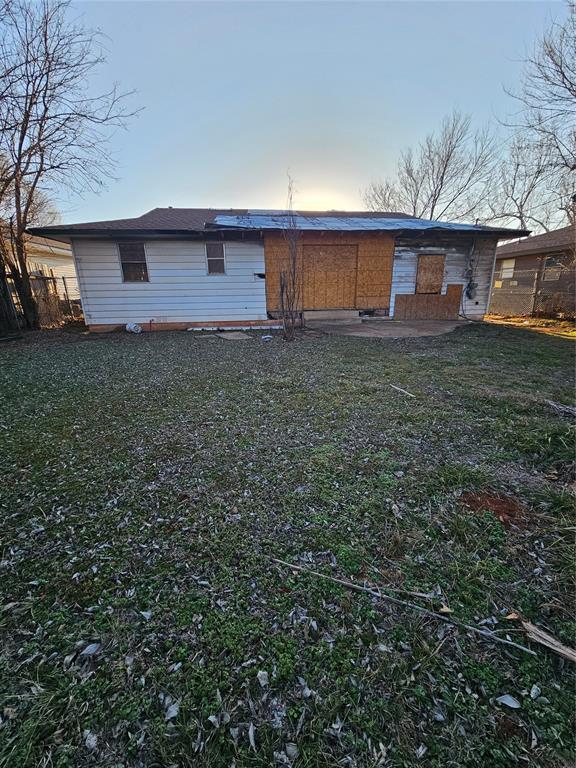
<point>340,222</point>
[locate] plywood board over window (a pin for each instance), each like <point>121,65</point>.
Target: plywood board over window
<point>330,276</point>
<point>374,279</point>
<point>430,275</point>
<point>345,270</point>
<point>410,306</point>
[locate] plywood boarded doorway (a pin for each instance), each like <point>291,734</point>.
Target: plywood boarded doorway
<point>330,276</point>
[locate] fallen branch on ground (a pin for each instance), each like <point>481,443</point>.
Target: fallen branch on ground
<point>405,604</point>
<point>423,595</point>
<point>399,389</point>
<point>538,635</point>
<point>561,409</point>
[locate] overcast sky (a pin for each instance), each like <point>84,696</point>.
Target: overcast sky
<point>235,94</point>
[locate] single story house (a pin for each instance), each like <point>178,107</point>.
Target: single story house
<point>176,268</point>
<point>536,275</point>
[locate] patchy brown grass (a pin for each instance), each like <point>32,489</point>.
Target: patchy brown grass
<point>147,481</point>
<point>565,329</point>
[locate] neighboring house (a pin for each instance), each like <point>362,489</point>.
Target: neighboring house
<point>51,258</point>
<point>198,268</point>
<point>536,275</point>
<point>53,281</point>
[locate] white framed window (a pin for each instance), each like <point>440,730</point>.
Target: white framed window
<point>215,258</point>
<point>507,269</point>
<point>133,262</point>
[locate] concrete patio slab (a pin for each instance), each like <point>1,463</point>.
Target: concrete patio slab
<point>386,329</point>
<point>233,335</point>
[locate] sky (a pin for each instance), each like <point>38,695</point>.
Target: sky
<point>236,95</point>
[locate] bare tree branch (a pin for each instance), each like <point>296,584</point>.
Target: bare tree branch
<point>446,177</point>
<point>547,96</point>
<point>529,190</point>
<point>53,132</point>
<point>291,276</point>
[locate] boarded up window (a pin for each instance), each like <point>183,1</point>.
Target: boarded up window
<point>215,258</point>
<point>430,274</point>
<point>133,262</point>
<point>329,276</point>
<point>413,306</point>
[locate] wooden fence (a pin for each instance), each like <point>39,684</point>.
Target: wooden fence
<point>55,302</point>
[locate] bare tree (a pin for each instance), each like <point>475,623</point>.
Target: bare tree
<point>529,191</point>
<point>446,177</point>
<point>547,96</point>
<point>384,196</point>
<point>52,132</point>
<point>565,194</point>
<point>291,277</point>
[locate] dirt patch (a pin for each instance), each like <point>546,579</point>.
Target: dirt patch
<point>506,509</point>
<point>385,328</point>
<point>564,328</point>
<point>68,335</point>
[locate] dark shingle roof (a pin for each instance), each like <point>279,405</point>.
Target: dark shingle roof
<point>156,219</point>
<point>174,222</point>
<point>182,219</point>
<point>558,240</point>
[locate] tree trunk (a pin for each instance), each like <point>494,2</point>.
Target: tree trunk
<point>8,317</point>
<point>24,288</point>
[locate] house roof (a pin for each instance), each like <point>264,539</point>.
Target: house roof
<point>181,219</point>
<point>558,240</point>
<point>158,219</point>
<point>346,222</point>
<point>38,248</point>
<point>187,221</point>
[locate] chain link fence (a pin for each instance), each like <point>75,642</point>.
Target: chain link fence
<point>532,293</point>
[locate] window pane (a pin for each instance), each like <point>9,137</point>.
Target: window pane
<point>507,268</point>
<point>215,261</point>
<point>132,252</point>
<point>216,267</point>
<point>215,250</point>
<point>133,262</point>
<point>134,272</point>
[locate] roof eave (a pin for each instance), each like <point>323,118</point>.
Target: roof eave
<point>65,234</point>
<point>534,251</point>
<point>511,234</point>
<point>502,234</point>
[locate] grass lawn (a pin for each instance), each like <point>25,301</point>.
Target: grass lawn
<point>146,483</point>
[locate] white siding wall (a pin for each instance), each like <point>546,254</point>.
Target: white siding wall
<point>406,264</point>
<point>180,290</point>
